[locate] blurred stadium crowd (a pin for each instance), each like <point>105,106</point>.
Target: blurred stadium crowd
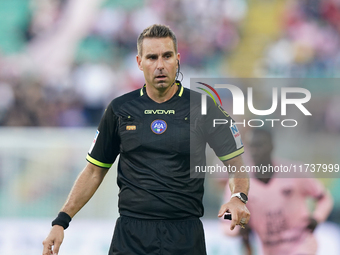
<point>71,83</point>
<point>66,69</point>
<point>63,61</point>
<point>309,42</point>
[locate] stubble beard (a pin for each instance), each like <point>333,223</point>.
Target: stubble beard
<point>164,85</point>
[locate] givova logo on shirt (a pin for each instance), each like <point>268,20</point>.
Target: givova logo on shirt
<point>158,126</point>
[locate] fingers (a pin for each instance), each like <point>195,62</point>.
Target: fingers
<point>54,239</point>
<point>56,247</point>
<point>246,216</point>
<point>47,248</point>
<point>234,221</point>
<point>244,219</point>
<point>239,213</point>
<point>223,209</point>
<point>234,216</point>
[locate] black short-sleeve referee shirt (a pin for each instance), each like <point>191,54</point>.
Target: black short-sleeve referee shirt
<point>153,141</point>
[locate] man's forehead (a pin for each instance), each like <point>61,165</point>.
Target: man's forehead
<point>157,45</point>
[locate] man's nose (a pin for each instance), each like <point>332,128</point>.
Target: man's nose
<point>160,64</point>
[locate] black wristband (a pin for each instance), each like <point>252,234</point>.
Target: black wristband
<point>63,220</point>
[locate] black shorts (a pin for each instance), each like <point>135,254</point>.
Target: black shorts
<point>162,237</point>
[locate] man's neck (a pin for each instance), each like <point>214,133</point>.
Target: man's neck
<point>159,95</point>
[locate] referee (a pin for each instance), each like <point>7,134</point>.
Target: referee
<point>151,129</point>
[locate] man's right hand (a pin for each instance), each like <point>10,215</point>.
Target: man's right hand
<point>54,239</point>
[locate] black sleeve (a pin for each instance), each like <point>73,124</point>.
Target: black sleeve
<point>105,146</point>
<point>224,138</point>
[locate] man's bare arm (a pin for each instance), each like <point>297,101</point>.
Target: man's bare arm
<point>238,182</point>
<point>323,208</point>
<point>83,189</point>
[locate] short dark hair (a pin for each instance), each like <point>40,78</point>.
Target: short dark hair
<point>156,31</point>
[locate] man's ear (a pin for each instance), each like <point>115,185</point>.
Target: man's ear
<point>139,62</point>
<point>178,59</point>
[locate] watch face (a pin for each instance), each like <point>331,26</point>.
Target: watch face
<point>244,196</point>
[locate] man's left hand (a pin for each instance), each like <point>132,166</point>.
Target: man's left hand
<point>240,214</point>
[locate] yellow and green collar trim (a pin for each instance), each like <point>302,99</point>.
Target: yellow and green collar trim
<point>141,92</point>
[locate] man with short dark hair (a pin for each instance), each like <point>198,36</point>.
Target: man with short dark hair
<point>159,204</point>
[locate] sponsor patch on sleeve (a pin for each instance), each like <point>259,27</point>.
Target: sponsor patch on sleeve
<point>94,141</point>
<point>237,136</point>
<point>132,127</point>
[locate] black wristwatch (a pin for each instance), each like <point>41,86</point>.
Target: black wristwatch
<point>243,197</point>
